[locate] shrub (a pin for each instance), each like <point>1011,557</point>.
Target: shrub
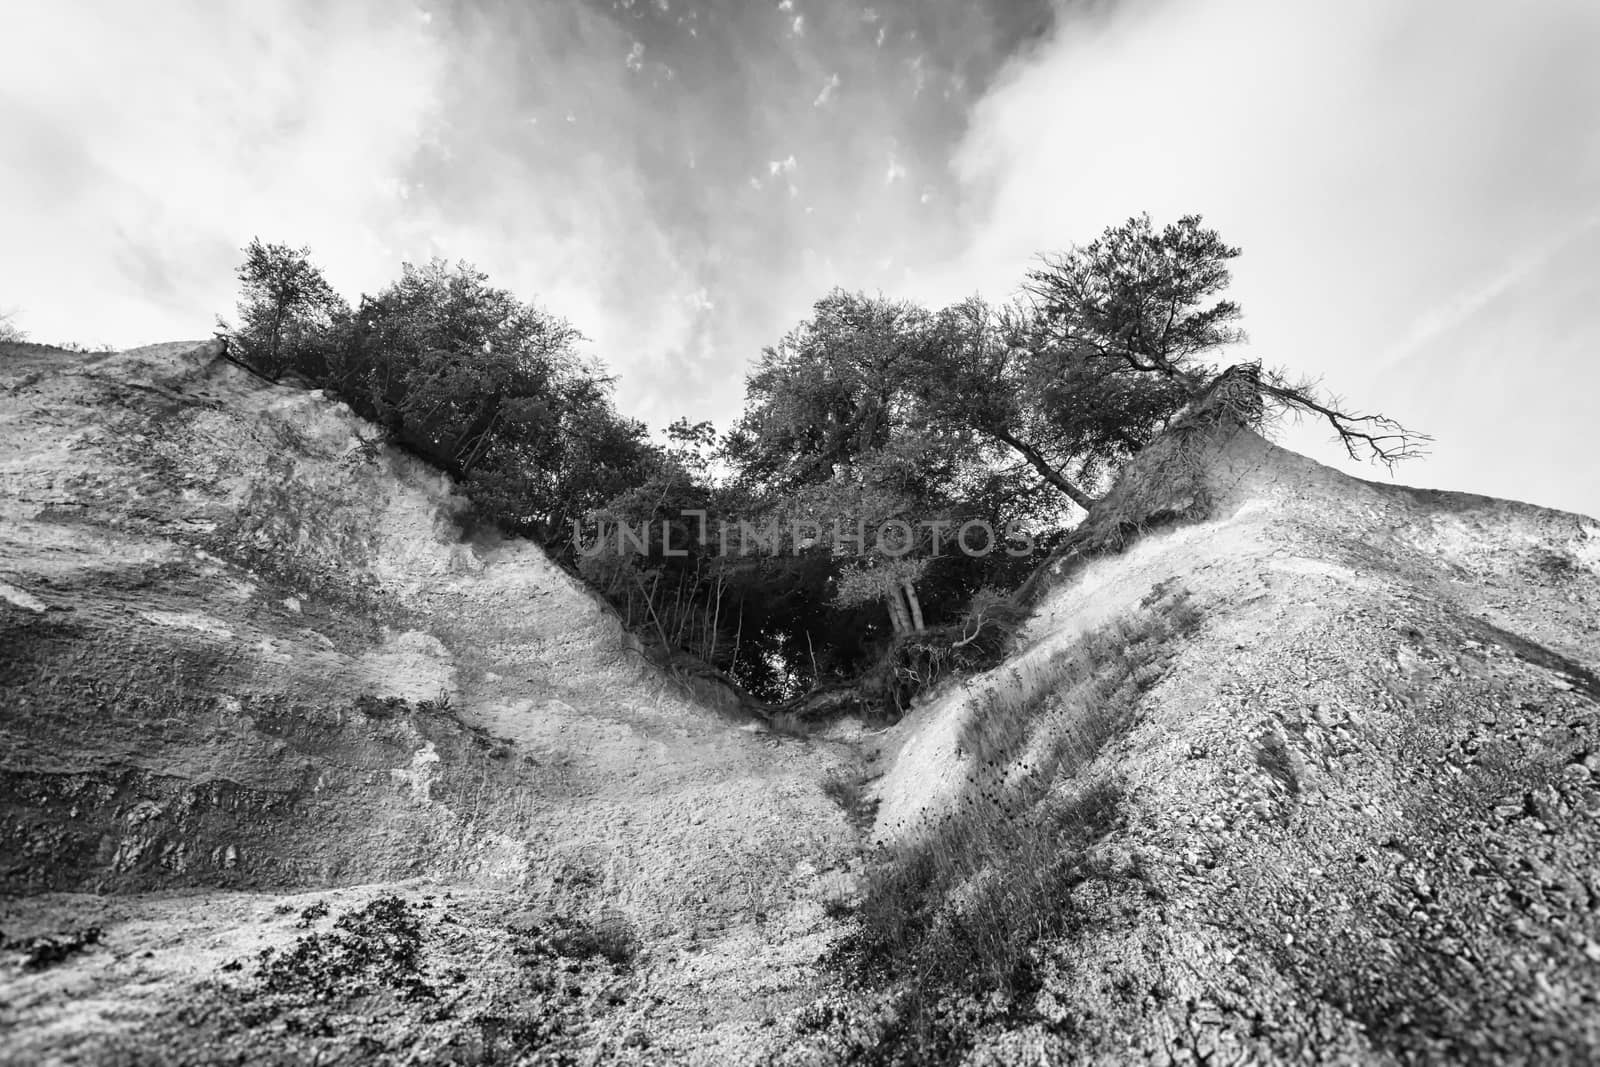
<point>287,309</point>
<point>947,925</point>
<point>611,938</point>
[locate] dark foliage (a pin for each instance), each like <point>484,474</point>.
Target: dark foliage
<point>870,411</point>
<point>944,938</point>
<point>457,372</point>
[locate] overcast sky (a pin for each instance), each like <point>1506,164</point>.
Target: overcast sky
<point>1415,183</point>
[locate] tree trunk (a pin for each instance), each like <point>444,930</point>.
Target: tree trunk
<point>483,421</point>
<point>1042,465</point>
<point>916,605</point>
<point>275,369</point>
<point>897,610</point>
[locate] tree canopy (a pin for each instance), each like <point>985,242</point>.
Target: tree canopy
<point>1142,297</point>
<point>1142,300</point>
<point>457,371</point>
<point>287,309</point>
<point>870,415</point>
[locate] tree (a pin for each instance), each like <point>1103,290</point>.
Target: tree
<point>842,431</point>
<point>890,580</point>
<point>492,390</point>
<point>831,390</point>
<point>458,372</point>
<point>1145,301</point>
<point>1140,297</point>
<point>286,311</point>
<point>823,409</point>
<point>999,373</point>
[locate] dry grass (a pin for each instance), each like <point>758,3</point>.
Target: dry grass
<point>948,921</point>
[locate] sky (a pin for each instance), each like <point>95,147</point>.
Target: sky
<point>1415,186</point>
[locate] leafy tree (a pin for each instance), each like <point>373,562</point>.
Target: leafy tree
<point>287,310</point>
<point>842,431</point>
<point>822,408</point>
<point>1142,297</point>
<point>457,371</point>
<point>1146,301</point>
<point>999,373</point>
<point>492,390</point>
<point>831,390</point>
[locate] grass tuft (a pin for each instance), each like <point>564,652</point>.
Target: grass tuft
<point>946,932</point>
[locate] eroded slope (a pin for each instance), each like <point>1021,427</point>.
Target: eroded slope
<point>247,647</point>
<point>1316,779</point>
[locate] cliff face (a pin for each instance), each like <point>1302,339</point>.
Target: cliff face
<point>1330,754</point>
<point>242,648</point>
<point>1353,738</point>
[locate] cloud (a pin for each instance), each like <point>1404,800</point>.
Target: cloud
<point>1523,269</point>
<point>1389,170</point>
<point>1402,178</point>
<point>829,87</point>
<point>157,139</point>
<point>610,160</point>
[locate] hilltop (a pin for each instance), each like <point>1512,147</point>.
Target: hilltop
<point>1307,771</point>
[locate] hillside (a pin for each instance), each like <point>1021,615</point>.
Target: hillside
<point>1351,736</point>
<point>1312,775</point>
<point>244,651</point>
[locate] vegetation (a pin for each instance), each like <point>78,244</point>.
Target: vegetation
<point>1137,300</point>
<point>287,309</point>
<point>375,947</point>
<point>456,371</point>
<point>810,553</point>
<point>10,331</point>
<point>14,342</point>
<point>947,935</point>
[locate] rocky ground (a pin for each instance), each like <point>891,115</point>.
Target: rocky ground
<point>259,693</point>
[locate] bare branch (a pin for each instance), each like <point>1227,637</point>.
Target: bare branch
<point>1373,437</point>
